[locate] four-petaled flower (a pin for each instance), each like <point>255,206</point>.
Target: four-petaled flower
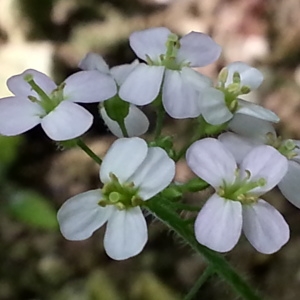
<point>168,70</point>
<point>38,100</point>
<point>236,204</point>
<point>131,173</point>
<point>222,103</point>
<point>250,133</point>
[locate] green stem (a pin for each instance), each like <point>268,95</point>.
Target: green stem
<point>198,284</point>
<point>160,207</point>
<point>89,152</point>
<point>123,128</point>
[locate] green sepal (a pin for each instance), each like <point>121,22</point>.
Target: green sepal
<point>68,144</point>
<point>209,129</point>
<point>166,143</point>
<point>116,108</point>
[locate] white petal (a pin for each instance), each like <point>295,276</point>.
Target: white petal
<point>150,42</point>
<point>123,158</point>
<point>19,87</point>
<point>239,146</point>
<point>154,174</point>
<point>251,127</point>
<point>18,115</point>
<point>126,233</point>
<point>89,86</point>
<point>199,49</point>
<point>219,223</point>
<point>112,125</point>
<point>120,73</point>
<point>250,77</point>
<point>213,107</point>
<point>94,61</point>
<point>257,111</point>
<point>136,122</point>
<point>264,227</point>
<point>81,215</point>
<point>265,162</point>
<point>67,121</point>
<point>179,97</point>
<point>142,85</point>
<point>290,184</point>
<point>211,161</point>
<point>197,80</point>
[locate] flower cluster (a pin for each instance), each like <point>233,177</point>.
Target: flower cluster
<point>242,161</point>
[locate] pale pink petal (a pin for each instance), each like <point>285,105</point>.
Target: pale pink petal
<point>136,122</point>
<point>81,215</point>
<point>219,223</point>
<point>180,98</point>
<point>239,146</point>
<point>212,162</point>
<point>89,86</point>
<point>267,163</point>
<point>251,127</point>
<point>120,73</point>
<point>123,158</point>
<point>142,85</point>
<point>290,184</point>
<point>250,77</point>
<point>154,174</point>
<point>67,121</point>
<point>18,114</point>
<point>264,227</point>
<point>198,49</point>
<point>19,87</point>
<point>126,233</point>
<point>150,42</point>
<point>257,111</point>
<point>213,107</point>
<point>94,61</point>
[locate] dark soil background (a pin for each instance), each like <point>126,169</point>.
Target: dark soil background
<point>36,262</point>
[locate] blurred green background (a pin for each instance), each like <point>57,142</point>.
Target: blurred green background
<point>36,177</point>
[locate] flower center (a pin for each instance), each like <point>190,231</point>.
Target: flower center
<point>168,60</point>
<point>233,90</point>
<point>240,189</point>
<point>285,147</point>
<point>123,196</point>
<point>47,102</point>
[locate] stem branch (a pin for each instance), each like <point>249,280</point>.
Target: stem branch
<point>89,152</point>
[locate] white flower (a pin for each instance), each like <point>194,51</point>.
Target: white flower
<point>131,173</point>
<point>136,122</point>
<point>259,132</point>
<point>38,100</point>
<point>168,70</point>
<point>221,104</point>
<point>236,204</point>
